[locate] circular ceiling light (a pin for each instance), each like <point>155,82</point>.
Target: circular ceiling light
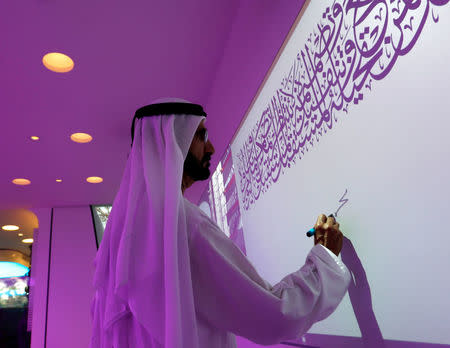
<point>57,62</point>
<point>27,240</point>
<point>34,138</point>
<point>10,228</point>
<point>94,179</point>
<point>81,137</point>
<point>21,181</point>
<point>58,180</point>
<point>20,234</point>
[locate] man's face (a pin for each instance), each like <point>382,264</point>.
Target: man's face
<point>197,160</point>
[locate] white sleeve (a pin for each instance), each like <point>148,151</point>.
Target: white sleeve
<point>335,258</point>
<point>231,295</point>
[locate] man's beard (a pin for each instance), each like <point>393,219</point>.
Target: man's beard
<point>195,169</point>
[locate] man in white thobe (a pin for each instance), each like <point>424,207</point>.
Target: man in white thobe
<point>232,298</point>
<point>168,277</point>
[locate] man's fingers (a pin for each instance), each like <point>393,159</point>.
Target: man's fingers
<point>320,220</point>
<point>331,224</point>
<point>319,235</point>
<point>331,220</point>
<point>320,239</point>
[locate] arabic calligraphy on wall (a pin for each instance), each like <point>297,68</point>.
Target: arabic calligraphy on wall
<point>356,42</point>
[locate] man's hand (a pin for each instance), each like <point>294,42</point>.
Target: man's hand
<point>328,234</point>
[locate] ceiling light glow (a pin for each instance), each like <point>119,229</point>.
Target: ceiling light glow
<point>81,137</point>
<point>12,269</point>
<point>94,179</point>
<point>58,62</point>
<point>21,181</point>
<point>10,228</point>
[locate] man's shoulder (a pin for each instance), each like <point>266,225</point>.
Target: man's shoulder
<point>195,216</point>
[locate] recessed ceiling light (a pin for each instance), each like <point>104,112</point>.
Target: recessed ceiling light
<point>21,182</point>
<point>58,180</point>
<point>20,234</point>
<point>81,137</point>
<point>27,240</point>
<point>57,62</point>
<point>94,179</point>
<point>10,228</point>
<point>34,138</point>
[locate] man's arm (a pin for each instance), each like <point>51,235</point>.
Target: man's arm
<point>231,295</point>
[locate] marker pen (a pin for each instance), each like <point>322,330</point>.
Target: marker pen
<point>312,231</point>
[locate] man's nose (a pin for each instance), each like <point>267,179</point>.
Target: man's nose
<point>210,147</point>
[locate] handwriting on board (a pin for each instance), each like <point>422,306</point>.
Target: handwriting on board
<point>342,201</point>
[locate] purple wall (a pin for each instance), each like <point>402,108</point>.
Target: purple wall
<point>71,272</point>
<point>39,276</point>
<point>72,251</point>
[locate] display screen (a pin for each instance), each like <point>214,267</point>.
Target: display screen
<point>13,292</point>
